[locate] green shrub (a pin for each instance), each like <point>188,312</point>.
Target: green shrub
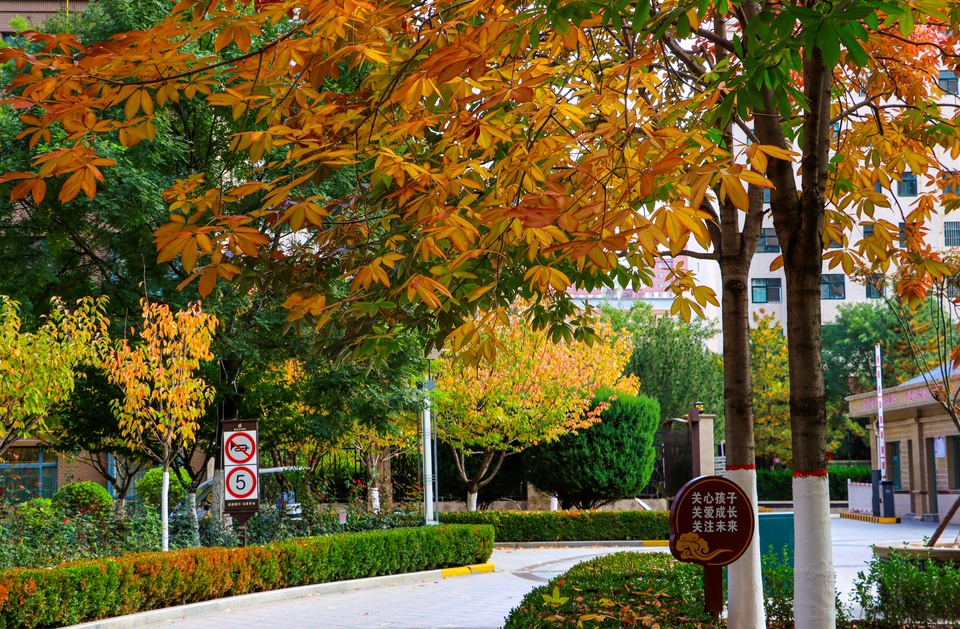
<point>903,590</point>
<point>84,497</point>
<point>544,526</point>
<point>629,589</point>
<point>838,479</point>
<point>775,485</point>
<point>89,590</point>
<point>148,487</point>
<point>778,484</point>
<point>36,512</point>
<point>778,575</point>
<point>610,460</point>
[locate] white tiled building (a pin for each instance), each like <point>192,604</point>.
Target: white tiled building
<point>836,288</point>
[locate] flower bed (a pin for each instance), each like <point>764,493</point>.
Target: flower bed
<point>543,526</point>
<point>88,590</point>
<point>619,590</point>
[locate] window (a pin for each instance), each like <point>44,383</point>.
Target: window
<point>875,287</point>
<point>867,231</point>
<point>768,242</point>
<point>948,82</point>
<point>834,244</point>
<point>893,464</point>
<point>951,233</point>
<point>950,188</point>
<point>907,187</point>
<point>766,290</point>
<point>832,286</point>
<point>28,473</point>
<point>878,187</point>
<point>834,129</point>
<point>766,195</point>
<point>903,232</point>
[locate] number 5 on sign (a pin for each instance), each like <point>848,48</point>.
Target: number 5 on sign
<point>242,483</point>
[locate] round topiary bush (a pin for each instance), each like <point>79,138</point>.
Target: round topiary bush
<point>84,497</point>
<point>149,487</point>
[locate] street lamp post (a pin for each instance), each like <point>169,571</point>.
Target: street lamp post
<point>429,446</point>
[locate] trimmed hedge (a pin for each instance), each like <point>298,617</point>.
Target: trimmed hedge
<point>778,484</point>
<point>574,526</point>
<point>631,589</point>
<point>92,589</point>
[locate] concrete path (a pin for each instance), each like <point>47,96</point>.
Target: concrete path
<point>483,601</point>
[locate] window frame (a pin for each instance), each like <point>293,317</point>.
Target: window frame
<point>908,186</point>
<point>829,280</point>
<point>768,235</point>
<point>766,284</point>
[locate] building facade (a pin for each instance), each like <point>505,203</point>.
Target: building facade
<point>35,12</point>
<point>837,288</point>
<point>922,447</point>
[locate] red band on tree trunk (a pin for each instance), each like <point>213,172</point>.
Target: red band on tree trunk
<point>741,467</point>
<point>803,474</point>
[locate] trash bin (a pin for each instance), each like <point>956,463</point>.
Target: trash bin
<point>776,530</point>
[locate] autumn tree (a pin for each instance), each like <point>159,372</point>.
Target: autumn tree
<point>536,391</point>
<point>38,369</point>
<point>771,387</point>
<point>163,399</point>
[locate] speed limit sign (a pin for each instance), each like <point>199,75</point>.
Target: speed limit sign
<point>241,483</point>
<point>239,456</point>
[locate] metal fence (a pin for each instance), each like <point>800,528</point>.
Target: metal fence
<point>860,497</point>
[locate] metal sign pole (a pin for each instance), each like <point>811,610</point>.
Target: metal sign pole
<point>881,441</point>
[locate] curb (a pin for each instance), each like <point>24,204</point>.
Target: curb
<point>869,518</point>
<point>631,543</point>
<point>261,598</point>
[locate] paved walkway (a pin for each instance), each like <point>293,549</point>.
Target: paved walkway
<point>483,601</point>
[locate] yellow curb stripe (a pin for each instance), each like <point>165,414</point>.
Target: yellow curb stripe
<point>656,542</point>
<point>464,570</point>
<point>869,518</point>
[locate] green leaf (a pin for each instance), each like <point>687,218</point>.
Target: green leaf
<point>856,51</point>
<point>828,41</point>
<point>683,26</point>
<point>641,14</point>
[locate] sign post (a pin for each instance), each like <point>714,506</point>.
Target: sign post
<point>240,457</point>
<point>711,524</point>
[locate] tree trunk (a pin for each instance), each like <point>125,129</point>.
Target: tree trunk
<point>800,229</point>
<point>554,503</point>
<point>374,492</point>
<point>165,508</point>
<point>745,593</point>
<point>472,500</point>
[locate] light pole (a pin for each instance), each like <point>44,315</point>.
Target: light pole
<point>429,446</point>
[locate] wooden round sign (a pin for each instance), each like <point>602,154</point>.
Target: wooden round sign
<point>711,522</point>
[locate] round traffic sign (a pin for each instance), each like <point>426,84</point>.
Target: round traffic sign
<point>241,483</point>
<point>240,448</point>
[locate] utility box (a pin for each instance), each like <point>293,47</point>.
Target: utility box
<point>887,509</point>
<point>776,530</point>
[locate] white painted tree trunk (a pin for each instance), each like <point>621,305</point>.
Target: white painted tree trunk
<point>165,510</point>
<point>375,499</point>
<point>745,591</point>
<point>217,496</point>
<point>194,522</point>
<point>472,501</point>
<point>814,602</point>
<point>554,503</point>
